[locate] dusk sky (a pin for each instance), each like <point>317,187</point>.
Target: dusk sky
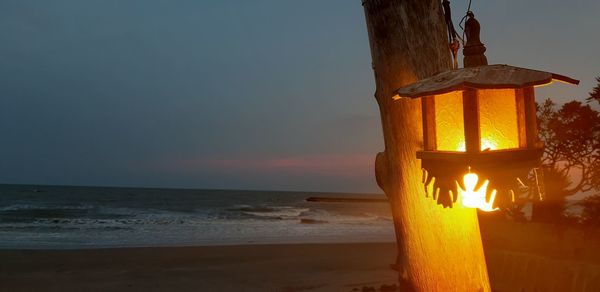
<point>261,94</point>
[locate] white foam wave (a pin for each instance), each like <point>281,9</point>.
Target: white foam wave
<point>20,207</point>
<point>284,212</point>
<point>344,219</point>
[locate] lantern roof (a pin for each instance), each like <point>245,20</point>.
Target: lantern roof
<point>481,77</point>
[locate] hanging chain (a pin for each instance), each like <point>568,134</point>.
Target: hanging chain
<point>462,20</point>
<point>453,38</point>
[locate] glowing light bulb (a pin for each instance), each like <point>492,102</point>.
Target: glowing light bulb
<point>475,198</point>
<point>488,144</point>
<point>462,147</point>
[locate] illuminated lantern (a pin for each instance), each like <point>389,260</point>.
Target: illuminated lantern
<point>480,136</point>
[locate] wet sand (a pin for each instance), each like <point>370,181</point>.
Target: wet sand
<point>286,267</point>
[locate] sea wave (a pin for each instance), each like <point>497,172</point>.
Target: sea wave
<point>267,212</point>
<point>67,217</point>
<point>305,214</point>
<point>249,208</point>
<point>283,212</point>
<point>54,224</point>
<point>20,207</point>
<point>327,216</point>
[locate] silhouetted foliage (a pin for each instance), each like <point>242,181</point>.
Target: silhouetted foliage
<point>595,94</point>
<point>514,213</point>
<point>572,139</point>
<point>572,150</point>
<point>591,210</point>
<point>551,208</point>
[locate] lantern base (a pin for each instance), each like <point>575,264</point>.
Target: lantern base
<point>443,172</point>
<point>512,156</point>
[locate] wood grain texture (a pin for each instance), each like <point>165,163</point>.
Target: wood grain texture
<point>439,248</point>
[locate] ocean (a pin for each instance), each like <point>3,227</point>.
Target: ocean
<point>71,217</point>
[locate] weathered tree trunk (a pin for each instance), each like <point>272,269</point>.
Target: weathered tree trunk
<point>439,249</point>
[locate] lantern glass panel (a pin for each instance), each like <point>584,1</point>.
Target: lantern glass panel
<point>498,119</point>
<point>449,122</point>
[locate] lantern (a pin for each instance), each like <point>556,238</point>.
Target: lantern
<point>480,136</point>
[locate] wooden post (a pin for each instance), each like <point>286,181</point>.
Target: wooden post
<point>439,249</point>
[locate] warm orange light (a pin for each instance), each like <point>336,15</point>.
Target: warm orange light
<point>475,198</point>
<point>486,144</point>
<point>498,119</point>
<point>449,121</point>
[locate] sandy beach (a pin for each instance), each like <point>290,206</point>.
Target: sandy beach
<point>289,267</point>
